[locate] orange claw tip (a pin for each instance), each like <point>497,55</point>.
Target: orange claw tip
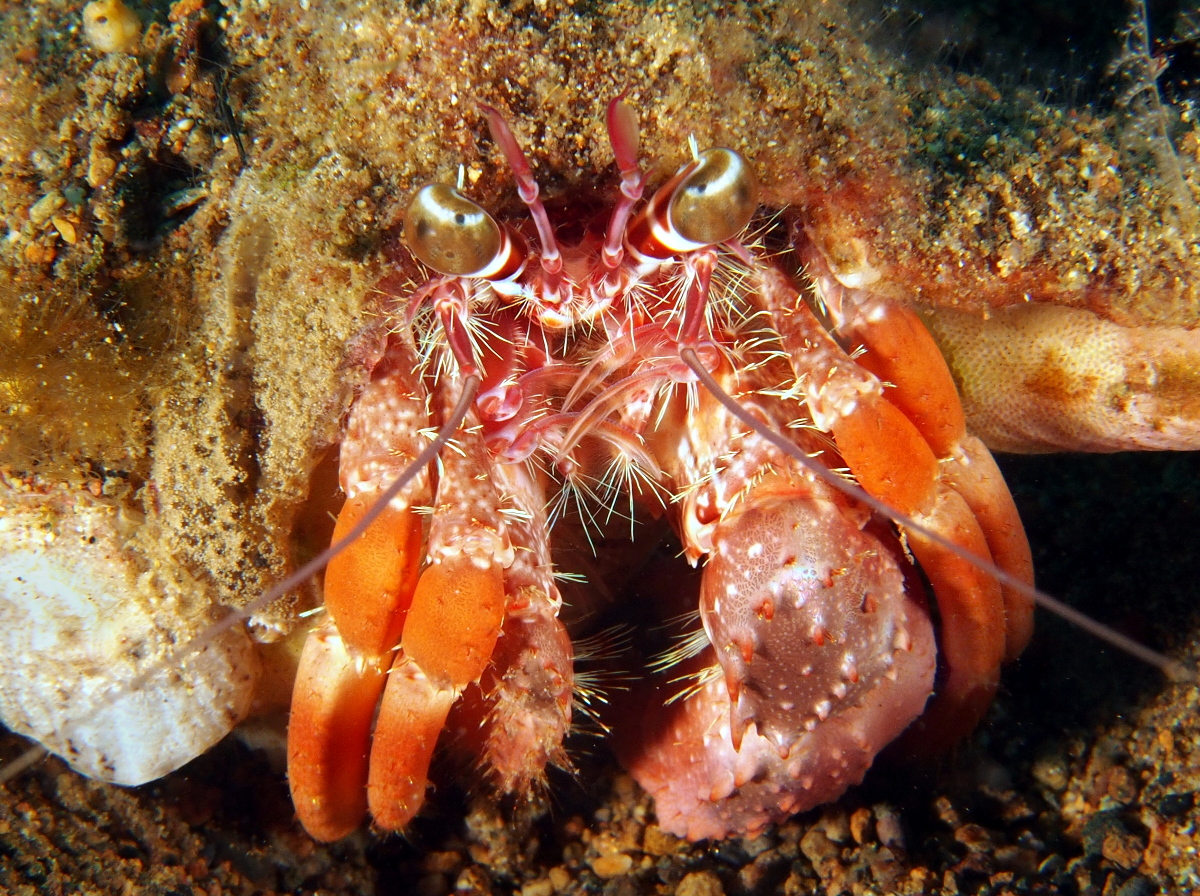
<point>411,718</point>
<point>369,585</point>
<point>333,703</point>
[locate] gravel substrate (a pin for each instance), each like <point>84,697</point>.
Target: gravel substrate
<point>1083,780</point>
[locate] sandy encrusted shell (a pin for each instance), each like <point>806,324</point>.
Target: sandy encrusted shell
<point>81,615</point>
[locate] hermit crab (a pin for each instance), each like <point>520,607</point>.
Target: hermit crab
<point>657,355</point>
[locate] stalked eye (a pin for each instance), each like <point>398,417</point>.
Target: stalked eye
<point>716,201</point>
<point>450,233</point>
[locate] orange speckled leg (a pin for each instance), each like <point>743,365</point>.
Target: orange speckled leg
<point>975,476</point>
<point>902,352</point>
<point>910,449</point>
<point>448,640</point>
<point>983,623</point>
<point>369,585</point>
<point>333,704</point>
<point>883,449</point>
<point>973,627</point>
<point>888,455</point>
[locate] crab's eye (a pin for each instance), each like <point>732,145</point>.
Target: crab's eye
<point>450,233</point>
<point>716,201</point>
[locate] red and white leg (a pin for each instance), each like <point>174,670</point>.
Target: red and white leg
<point>450,631</point>
<point>515,720</point>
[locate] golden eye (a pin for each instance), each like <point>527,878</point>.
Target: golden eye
<point>450,233</point>
<point>716,201</point>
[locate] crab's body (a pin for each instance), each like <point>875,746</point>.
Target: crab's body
<point>580,369</point>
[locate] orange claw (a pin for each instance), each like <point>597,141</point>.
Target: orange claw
<point>333,704</point>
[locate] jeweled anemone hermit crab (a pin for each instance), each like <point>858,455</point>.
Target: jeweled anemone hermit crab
<point>652,359</point>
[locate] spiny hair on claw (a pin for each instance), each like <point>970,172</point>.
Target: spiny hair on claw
<point>593,685</point>
<point>688,639</point>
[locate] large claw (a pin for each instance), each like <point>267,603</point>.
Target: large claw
<point>825,656</point>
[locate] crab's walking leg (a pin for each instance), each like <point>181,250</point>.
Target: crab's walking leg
<point>450,631</point>
<point>369,584</point>
<point>900,351</point>
<point>367,590</point>
<point>908,447</point>
<point>529,687</point>
<point>333,703</point>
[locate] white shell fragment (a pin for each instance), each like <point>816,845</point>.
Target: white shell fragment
<point>82,613</point>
